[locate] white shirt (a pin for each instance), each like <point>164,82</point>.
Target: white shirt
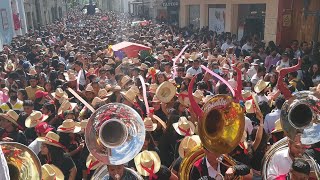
<point>82,79</point>
<point>35,146</point>
<point>3,167</point>
<point>262,98</point>
<point>246,47</point>
<point>255,79</point>
<point>193,71</point>
<point>248,125</point>
<point>270,119</point>
<point>280,163</point>
<point>252,71</point>
<point>226,46</point>
<point>211,171</point>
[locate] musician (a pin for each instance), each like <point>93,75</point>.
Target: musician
<point>213,165</point>
<point>300,169</point>
<point>118,172</point>
<point>281,161</point>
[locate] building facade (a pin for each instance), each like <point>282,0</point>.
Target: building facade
<point>238,17</point>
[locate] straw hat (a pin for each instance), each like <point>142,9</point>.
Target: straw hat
<point>183,98</point>
<point>11,116</point>
<point>226,67</point>
<point>193,56</point>
<point>166,91</point>
<point>278,127</point>
<point>66,106</point>
<point>245,94</point>
<point>206,98</point>
<point>59,94</point>
<point>131,94</point>
<point>51,172</point>
<point>187,144</point>
<point>89,88</point>
<point>153,88</point>
<point>252,105</point>
<point>9,66</point>
<point>198,94</point>
<point>83,124</point>
<point>261,85</point>
<point>51,138</point>
<point>32,71</point>
<point>69,126</point>
<point>70,75</point>
<point>143,67</point>
<point>110,62</point>
<point>124,80</point>
<point>92,163</point>
<point>97,100</point>
<point>103,93</point>
<point>147,159</point>
<point>35,118</point>
<point>149,125</point>
<point>184,127</point>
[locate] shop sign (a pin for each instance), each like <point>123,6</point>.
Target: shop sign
<point>170,4</point>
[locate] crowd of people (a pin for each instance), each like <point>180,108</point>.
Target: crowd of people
<point>39,111</point>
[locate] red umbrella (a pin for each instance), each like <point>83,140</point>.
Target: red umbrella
<point>131,49</point>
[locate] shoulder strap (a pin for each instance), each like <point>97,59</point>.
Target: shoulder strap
<point>197,164</point>
<point>9,105</point>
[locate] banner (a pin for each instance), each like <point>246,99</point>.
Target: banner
<point>217,19</point>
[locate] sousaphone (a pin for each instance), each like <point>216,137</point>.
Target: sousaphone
<point>299,115</point>
<point>115,134</point>
<point>220,127</point>
<point>22,162</point>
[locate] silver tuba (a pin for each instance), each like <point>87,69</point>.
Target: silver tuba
<point>22,162</point>
<point>114,135</point>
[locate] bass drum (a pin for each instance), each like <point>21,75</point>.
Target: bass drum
<point>102,174</point>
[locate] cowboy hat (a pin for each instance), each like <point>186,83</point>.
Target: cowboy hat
<point>278,127</point>
<point>89,88</point>
<point>32,71</point>
<point>245,94</point>
<point>83,124</point>
<point>198,94</point>
<point>66,106</point>
<point>252,105</point>
<point>69,126</point>
<point>166,91</point>
<point>51,138</point>
<point>92,163</point>
<point>103,93</point>
<point>261,85</point>
<point>187,144</point>
<point>153,88</point>
<point>11,116</point>
<point>184,127</point>
<point>143,67</point>
<point>147,162</point>
<point>51,172</point>
<point>70,75</point>
<point>149,125</point>
<point>59,94</point>
<point>124,80</point>
<point>206,98</point>
<point>131,94</point>
<point>9,66</point>
<point>97,100</point>
<point>183,98</point>
<point>35,118</point>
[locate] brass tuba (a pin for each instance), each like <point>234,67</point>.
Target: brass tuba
<point>114,135</point>
<point>299,115</point>
<point>22,162</point>
<point>220,127</point>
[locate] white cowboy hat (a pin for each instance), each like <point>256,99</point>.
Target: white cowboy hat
<point>69,126</point>
<point>183,98</point>
<point>124,80</point>
<point>278,127</point>
<point>66,106</point>
<point>35,118</point>
<point>11,116</point>
<point>51,172</point>
<point>261,85</point>
<point>198,94</point>
<point>92,163</point>
<point>149,125</point>
<point>184,127</point>
<point>147,160</point>
<point>166,91</point>
<point>51,138</point>
<point>131,94</point>
<point>187,144</point>
<point>97,100</point>
<point>252,105</point>
<point>153,88</point>
<point>103,93</point>
<point>59,94</point>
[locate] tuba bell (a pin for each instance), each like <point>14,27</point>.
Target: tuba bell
<point>220,128</point>
<point>114,135</point>
<point>299,115</point>
<point>22,162</point>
